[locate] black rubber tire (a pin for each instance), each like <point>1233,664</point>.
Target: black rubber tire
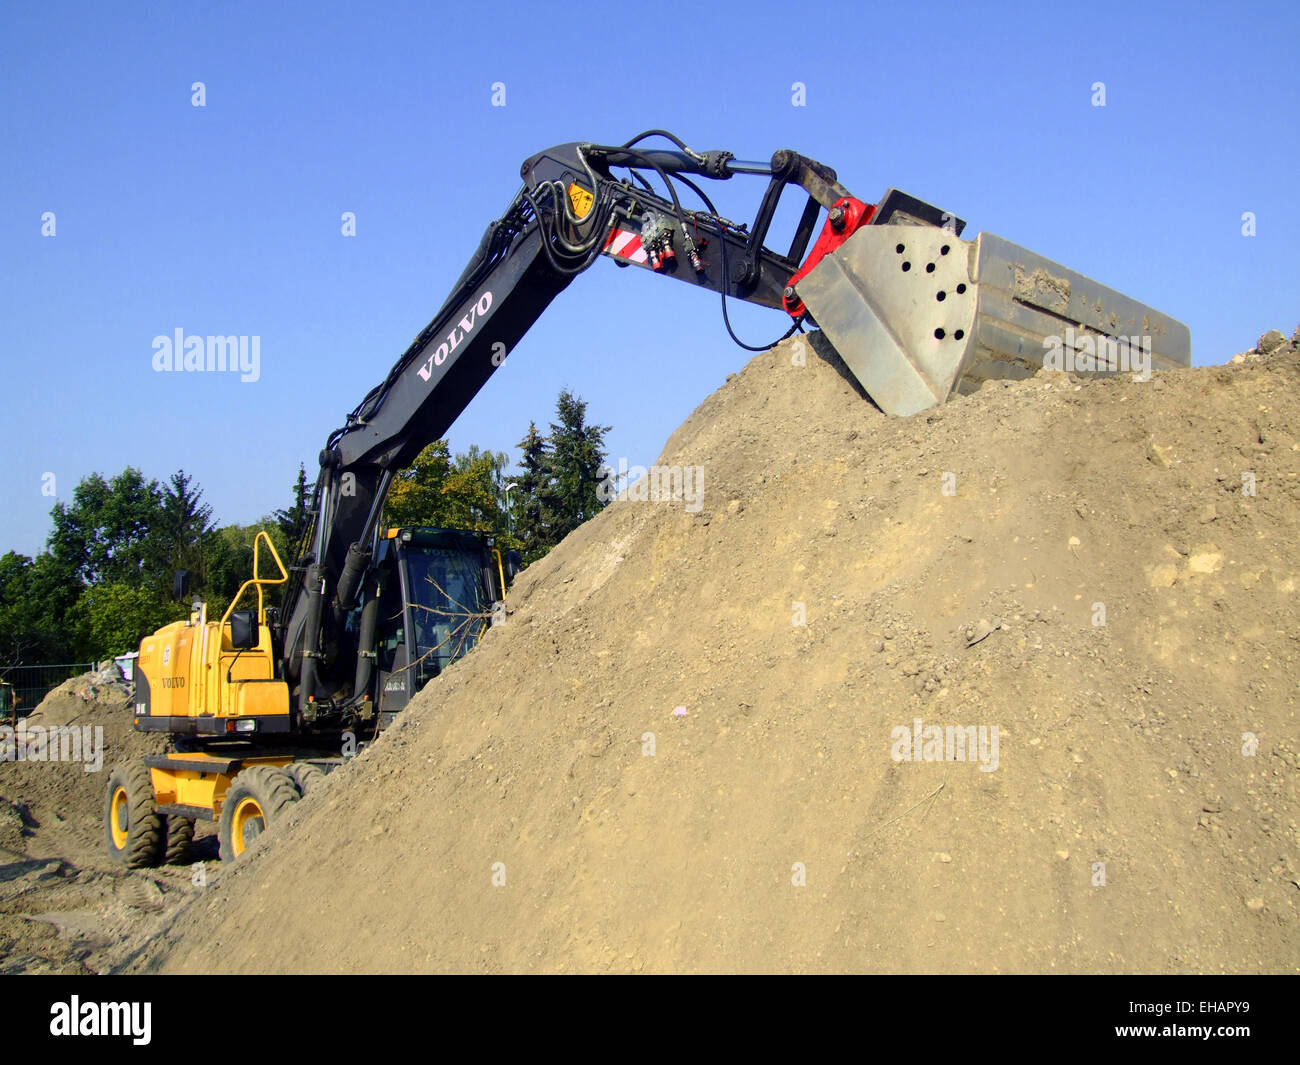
<point>146,829</point>
<point>305,775</point>
<point>271,788</point>
<point>180,837</point>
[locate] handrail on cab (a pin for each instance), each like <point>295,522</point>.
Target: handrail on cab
<point>257,580</point>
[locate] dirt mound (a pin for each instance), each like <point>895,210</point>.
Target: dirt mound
<point>1271,344</point>
<point>705,740</point>
<point>63,908</point>
<point>72,791</point>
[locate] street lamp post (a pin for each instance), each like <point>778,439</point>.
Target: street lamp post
<point>510,518</point>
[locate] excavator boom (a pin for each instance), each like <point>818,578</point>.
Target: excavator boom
<point>917,313</point>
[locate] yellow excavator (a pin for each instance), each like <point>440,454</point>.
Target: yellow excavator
<point>218,688</point>
<point>264,700</point>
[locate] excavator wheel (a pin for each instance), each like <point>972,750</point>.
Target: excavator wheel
<point>255,801</point>
<point>180,837</point>
<point>134,830</point>
<point>305,775</point>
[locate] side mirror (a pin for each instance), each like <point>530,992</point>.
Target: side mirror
<point>514,565</point>
<point>243,630</point>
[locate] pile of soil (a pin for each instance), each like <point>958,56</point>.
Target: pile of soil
<point>63,907</point>
<point>68,791</point>
<point>1272,344</point>
<point>700,741</point>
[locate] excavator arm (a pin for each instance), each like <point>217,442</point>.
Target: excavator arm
<point>580,202</point>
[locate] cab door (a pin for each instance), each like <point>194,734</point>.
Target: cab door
<point>392,658</point>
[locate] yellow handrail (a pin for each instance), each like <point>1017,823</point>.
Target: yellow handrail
<point>501,571</point>
<point>258,580</point>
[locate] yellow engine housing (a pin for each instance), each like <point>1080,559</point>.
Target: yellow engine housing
<point>191,679</point>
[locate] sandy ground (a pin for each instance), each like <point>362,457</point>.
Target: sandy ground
<point>64,908</point>
<point>682,751</point>
<point>700,741</point>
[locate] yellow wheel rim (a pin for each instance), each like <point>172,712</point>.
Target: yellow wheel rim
<point>247,824</point>
<point>119,818</point>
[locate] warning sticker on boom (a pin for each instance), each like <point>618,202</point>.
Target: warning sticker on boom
<point>581,200</point>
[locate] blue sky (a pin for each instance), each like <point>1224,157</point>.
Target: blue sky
<point>225,219</point>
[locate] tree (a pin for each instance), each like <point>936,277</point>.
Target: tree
<point>114,618</point>
<point>557,481</point>
<point>107,533</point>
<point>292,520</point>
<point>475,490</point>
<point>106,580</point>
<point>18,635</point>
<point>418,494</point>
<point>464,492</point>
<point>184,527</point>
<point>534,504</point>
<point>577,451</point>
<point>34,601</point>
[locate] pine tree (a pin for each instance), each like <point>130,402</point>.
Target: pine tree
<point>534,497</point>
<point>185,525</point>
<point>577,451</point>
<point>292,520</point>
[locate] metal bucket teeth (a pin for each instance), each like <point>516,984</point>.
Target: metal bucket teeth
<point>918,314</point>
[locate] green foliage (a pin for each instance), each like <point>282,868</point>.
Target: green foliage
<point>464,492</point>
<point>108,532</point>
<point>558,481</point>
<point>105,580</point>
<point>477,486</point>
<point>183,527</point>
<point>231,563</point>
<point>418,495</point>
<point>533,503</point>
<point>34,595</point>
<point>292,520</point>
<point>112,619</point>
<point>577,451</point>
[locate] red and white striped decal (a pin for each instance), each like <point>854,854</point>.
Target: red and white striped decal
<point>625,245</point>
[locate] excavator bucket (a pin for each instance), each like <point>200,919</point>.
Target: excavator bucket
<point>918,315</point>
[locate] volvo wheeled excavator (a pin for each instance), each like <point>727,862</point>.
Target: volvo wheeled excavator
<point>263,700</point>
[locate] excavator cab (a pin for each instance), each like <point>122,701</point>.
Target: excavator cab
<point>438,591</point>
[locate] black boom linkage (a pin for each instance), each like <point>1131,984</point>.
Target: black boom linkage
<point>570,210</point>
